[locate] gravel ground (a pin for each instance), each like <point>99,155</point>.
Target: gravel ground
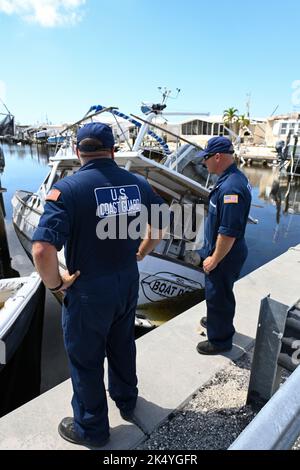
<point>214,417</point>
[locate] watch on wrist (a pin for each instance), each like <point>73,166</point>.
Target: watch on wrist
<point>58,287</point>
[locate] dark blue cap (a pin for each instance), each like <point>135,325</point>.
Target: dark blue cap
<point>217,145</point>
<point>97,131</point>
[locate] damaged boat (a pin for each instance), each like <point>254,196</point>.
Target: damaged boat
<point>173,268</point>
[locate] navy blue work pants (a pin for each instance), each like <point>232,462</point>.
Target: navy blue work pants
<point>220,300</point>
<point>98,321</point>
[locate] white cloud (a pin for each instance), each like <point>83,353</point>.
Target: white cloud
<point>2,90</point>
<point>47,13</point>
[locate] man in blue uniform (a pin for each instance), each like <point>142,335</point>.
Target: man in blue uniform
<point>102,280</point>
<point>224,251</point>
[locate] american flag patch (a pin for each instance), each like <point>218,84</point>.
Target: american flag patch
<point>53,195</point>
<point>231,199</point>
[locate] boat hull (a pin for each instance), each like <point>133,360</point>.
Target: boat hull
<point>17,313</point>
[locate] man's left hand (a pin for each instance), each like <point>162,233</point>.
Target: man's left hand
<point>139,256</point>
<point>68,279</point>
<point>209,264</point>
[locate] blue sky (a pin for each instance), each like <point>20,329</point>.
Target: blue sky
<point>59,57</point>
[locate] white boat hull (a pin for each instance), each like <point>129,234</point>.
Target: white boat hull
<point>162,279</point>
<point>18,301</point>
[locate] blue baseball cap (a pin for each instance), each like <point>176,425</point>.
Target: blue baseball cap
<point>98,131</point>
<point>217,145</point>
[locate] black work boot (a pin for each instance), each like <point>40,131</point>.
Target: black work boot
<point>66,431</point>
<point>128,415</point>
<point>206,347</point>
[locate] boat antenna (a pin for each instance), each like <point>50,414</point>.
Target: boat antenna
<point>5,107</point>
<point>248,95</point>
<point>275,110</point>
<point>166,94</point>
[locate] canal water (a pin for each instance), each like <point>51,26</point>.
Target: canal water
<point>276,206</point>
<point>278,227</point>
<point>25,168</point>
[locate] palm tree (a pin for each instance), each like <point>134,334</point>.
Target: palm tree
<point>230,117</point>
<point>244,121</point>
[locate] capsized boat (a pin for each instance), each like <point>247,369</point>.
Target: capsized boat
<point>173,268</point>
<point>18,301</point>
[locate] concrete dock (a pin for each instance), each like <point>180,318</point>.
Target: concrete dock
<point>170,370</point>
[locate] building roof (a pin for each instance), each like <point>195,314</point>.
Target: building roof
<point>216,118</point>
<point>284,117</point>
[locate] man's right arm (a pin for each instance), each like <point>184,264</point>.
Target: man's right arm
<point>46,263</point>
<point>53,231</point>
<point>223,246</point>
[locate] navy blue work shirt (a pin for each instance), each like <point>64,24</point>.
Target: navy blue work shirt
<point>78,202</point>
<point>228,210</point>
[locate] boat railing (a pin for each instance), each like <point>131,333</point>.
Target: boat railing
<point>23,195</point>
